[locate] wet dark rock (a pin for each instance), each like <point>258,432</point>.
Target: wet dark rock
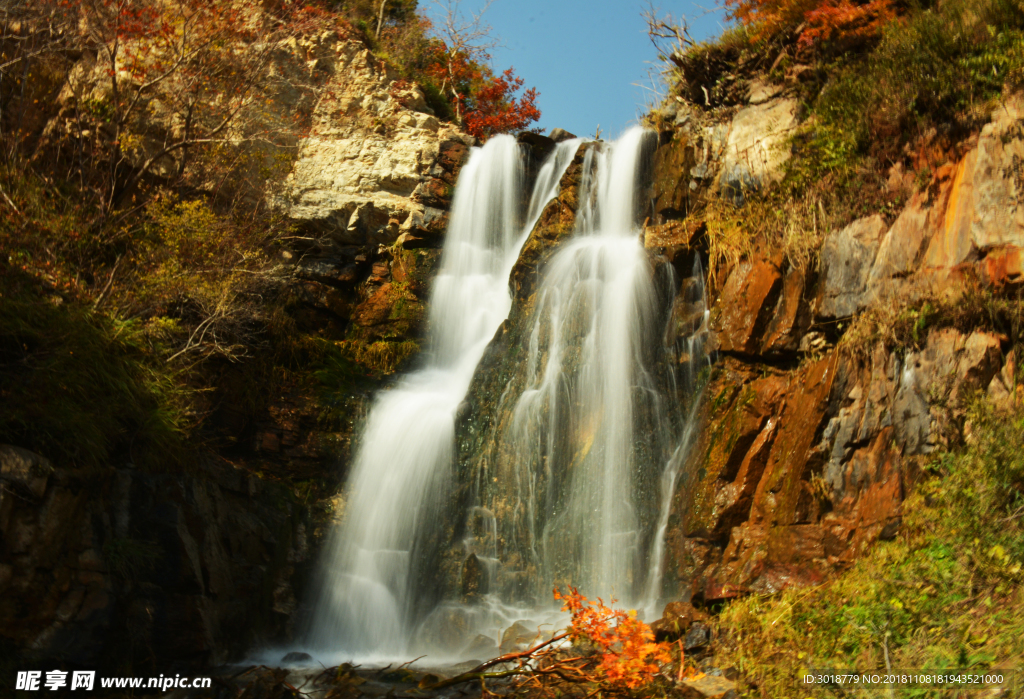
<point>474,579</point>
<point>446,629</point>
<point>536,140</point>
<point>698,636</point>
<point>481,648</point>
<point>671,185</point>
<point>518,636</point>
<point>296,656</point>
<point>105,564</point>
<point>332,272</point>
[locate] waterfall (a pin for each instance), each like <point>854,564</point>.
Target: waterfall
<point>403,465</point>
<point>692,316</point>
<point>580,459</point>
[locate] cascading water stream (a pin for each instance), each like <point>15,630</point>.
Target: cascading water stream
<point>573,444</point>
<point>692,309</point>
<point>406,451</point>
<point>592,432</point>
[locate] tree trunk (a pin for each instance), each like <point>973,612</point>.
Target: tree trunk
<point>380,17</point>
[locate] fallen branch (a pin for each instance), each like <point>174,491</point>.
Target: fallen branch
<point>470,676</point>
<point>478,673</point>
<point>509,657</point>
<point>103,294</point>
<point>9,202</point>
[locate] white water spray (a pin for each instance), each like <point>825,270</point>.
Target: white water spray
<point>588,436</point>
<point>406,451</point>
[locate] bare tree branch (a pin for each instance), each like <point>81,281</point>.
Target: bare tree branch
<point>466,37</point>
<point>670,35</point>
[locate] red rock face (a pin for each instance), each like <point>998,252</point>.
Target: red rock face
<point>746,304</point>
<point>802,463</point>
<point>800,471</point>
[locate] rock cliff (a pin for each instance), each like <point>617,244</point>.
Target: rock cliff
<point>171,570</point>
<point>830,375</point>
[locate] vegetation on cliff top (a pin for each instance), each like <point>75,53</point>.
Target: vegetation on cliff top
<point>883,87</point>
<point>449,58</point>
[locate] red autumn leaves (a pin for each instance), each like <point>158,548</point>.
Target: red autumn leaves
<point>816,20</point>
<point>629,655</point>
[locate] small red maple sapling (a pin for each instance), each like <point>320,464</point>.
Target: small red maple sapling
<point>629,655</point>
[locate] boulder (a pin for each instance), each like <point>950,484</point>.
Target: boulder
<point>296,657</point>
<point>481,648</point>
<point>539,144</point>
<point>676,621</point>
<point>518,636</point>
<point>446,629</point>
<point>698,636</point>
<point>25,470</point>
<point>708,687</point>
<point>559,135</point>
<point>757,147</point>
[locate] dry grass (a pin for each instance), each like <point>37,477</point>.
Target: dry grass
<point>966,306</point>
<point>780,220</point>
<point>382,357</point>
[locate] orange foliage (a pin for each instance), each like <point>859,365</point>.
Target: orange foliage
<point>454,69</point>
<point>821,20</point>
<point>629,655</point>
<point>845,19</point>
<point>496,110</point>
<point>486,103</point>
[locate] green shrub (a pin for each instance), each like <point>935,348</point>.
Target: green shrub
<point>78,387</point>
<point>939,68</point>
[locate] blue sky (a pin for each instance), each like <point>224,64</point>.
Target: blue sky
<point>584,56</point>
